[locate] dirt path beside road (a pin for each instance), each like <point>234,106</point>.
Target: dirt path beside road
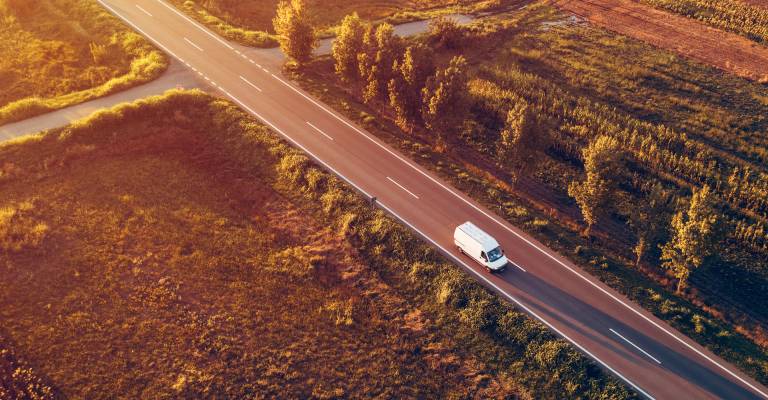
<point>727,51</point>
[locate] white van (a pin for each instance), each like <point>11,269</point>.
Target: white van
<point>479,245</point>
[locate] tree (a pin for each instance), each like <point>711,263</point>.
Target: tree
<point>382,50</point>
<point>366,56</point>
<point>295,31</point>
<point>410,76</point>
<point>648,219</point>
<point>347,46</point>
<point>601,160</point>
<point>694,233</point>
<point>444,99</point>
<point>521,144</point>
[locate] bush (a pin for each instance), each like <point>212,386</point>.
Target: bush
<point>445,33</point>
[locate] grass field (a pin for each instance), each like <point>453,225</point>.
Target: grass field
<point>681,124</point>
<point>175,248</point>
<point>55,53</point>
<point>250,22</point>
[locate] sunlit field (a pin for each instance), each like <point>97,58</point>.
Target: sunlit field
<point>54,53</point>
<point>250,22</point>
<point>176,248</point>
<point>678,126</point>
<point>258,15</point>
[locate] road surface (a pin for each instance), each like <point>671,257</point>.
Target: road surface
<point>177,76</point>
<point>642,350</point>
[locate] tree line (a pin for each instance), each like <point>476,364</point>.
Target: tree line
<point>402,79</point>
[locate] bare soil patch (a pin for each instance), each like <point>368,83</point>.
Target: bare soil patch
<point>727,51</point>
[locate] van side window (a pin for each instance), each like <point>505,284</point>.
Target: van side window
<point>482,254</point>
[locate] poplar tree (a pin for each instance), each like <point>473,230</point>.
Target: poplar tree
<point>693,236</point>
<point>648,219</point>
<point>410,76</point>
<point>366,56</point>
<point>520,144</point>
<point>347,46</point>
<point>444,99</point>
<point>383,51</point>
<point>601,160</point>
<point>295,32</point>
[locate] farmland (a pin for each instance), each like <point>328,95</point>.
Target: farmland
<point>176,248</point>
<point>55,53</point>
<point>747,18</point>
<point>731,52</point>
<point>678,126</point>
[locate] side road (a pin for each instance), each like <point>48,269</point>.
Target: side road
<point>177,76</point>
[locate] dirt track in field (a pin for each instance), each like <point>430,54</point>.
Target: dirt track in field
<point>727,51</point>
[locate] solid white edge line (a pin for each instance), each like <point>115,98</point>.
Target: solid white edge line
<point>193,44</point>
<point>318,129</point>
<point>366,194</point>
<point>142,9</point>
<point>402,187</point>
<point>456,195</point>
<point>635,346</point>
<point>683,342</point>
<point>196,25</point>
<point>248,82</point>
<point>167,50</point>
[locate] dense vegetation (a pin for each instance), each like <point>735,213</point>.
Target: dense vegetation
<point>666,159</point>
<point>176,248</point>
<point>55,53</point>
<point>732,15</point>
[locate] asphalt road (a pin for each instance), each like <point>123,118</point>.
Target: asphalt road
<point>650,356</point>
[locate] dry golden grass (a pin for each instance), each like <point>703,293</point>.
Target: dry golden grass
<point>55,53</point>
<point>257,15</point>
<point>169,270</point>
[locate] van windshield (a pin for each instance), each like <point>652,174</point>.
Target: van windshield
<point>494,254</point>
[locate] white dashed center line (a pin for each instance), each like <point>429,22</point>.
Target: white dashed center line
<point>193,44</point>
<point>521,268</point>
<point>252,85</point>
<point>145,11</point>
<point>318,129</point>
<point>635,346</point>
<point>402,187</point>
